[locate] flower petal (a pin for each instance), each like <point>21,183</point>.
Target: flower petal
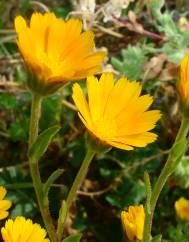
<point>3,214</point>
<point>81,103</point>
<point>5,204</point>
<point>137,140</point>
<point>3,192</point>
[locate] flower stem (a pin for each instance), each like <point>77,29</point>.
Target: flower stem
<point>34,169</point>
<point>34,119</point>
<point>164,175</point>
<point>79,178</point>
<point>75,186</point>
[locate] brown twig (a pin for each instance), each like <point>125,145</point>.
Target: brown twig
<point>109,31</point>
<point>122,173</point>
<point>128,25</point>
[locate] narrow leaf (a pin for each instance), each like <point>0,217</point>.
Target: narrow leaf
<point>52,178</point>
<point>73,238</point>
<point>61,219</point>
<point>177,152</point>
<point>41,144</point>
<point>148,191</point>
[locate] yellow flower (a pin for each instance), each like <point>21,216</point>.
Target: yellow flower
<point>182,208</point>
<point>133,222</point>
<point>56,51</point>
<point>116,114</point>
<point>4,204</point>
<point>23,230</point>
<point>183,84</point>
<point>183,24</point>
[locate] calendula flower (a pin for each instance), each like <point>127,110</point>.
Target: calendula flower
<point>23,230</point>
<point>133,222</point>
<point>183,84</point>
<point>182,208</point>
<point>4,204</point>
<point>115,113</point>
<point>56,51</point>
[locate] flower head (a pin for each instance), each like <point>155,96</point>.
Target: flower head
<point>115,113</point>
<point>56,51</point>
<point>4,204</point>
<point>133,222</point>
<point>182,208</point>
<point>183,84</point>
<point>23,230</point>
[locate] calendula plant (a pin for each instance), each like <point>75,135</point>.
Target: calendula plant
<point>114,112</point>
<point>20,229</point>
<point>175,156</point>
<point>182,208</point>
<point>133,222</point>
<point>51,63</point>
<point>23,230</point>
<point>176,153</point>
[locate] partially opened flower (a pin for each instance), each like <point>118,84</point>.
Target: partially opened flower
<point>133,222</point>
<point>182,208</point>
<point>23,230</point>
<point>4,203</point>
<point>115,113</point>
<point>183,85</point>
<point>56,51</point>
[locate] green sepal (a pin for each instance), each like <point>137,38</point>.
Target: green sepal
<point>42,87</point>
<point>39,147</point>
<point>73,238</point>
<point>183,107</point>
<point>95,144</point>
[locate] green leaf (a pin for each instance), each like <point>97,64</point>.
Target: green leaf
<point>132,62</point>
<point>61,218</point>
<point>73,238</point>
<point>155,6</point>
<point>52,178</point>
<point>20,190</point>
<point>177,152</point>
<point>148,191</point>
<point>165,21</point>
<point>41,144</point>
<point>117,64</point>
<point>157,238</point>
<point>182,172</point>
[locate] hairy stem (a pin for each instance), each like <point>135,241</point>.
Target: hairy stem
<point>75,186</point>
<point>34,169</point>
<point>162,179</point>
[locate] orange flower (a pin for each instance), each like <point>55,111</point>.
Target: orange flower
<point>23,230</point>
<point>182,208</point>
<point>133,222</point>
<point>56,51</point>
<point>183,85</point>
<point>4,203</point>
<point>115,113</point>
